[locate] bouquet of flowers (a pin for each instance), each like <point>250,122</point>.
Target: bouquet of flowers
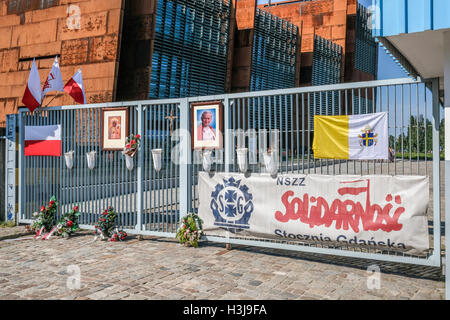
<point>68,224</point>
<point>106,226</point>
<point>45,219</point>
<point>132,145</point>
<point>190,230</point>
<point>118,235</point>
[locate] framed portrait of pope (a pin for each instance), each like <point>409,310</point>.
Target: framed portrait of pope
<point>206,125</point>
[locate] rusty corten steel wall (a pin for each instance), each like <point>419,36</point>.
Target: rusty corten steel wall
<point>39,29</point>
<point>30,28</point>
<point>334,20</point>
<point>244,47</point>
<point>137,49</point>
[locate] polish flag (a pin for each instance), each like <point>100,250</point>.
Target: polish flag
<point>32,97</point>
<point>54,80</point>
<point>43,140</point>
<point>75,88</point>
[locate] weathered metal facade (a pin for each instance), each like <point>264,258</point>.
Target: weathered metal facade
<point>275,48</point>
<point>190,48</point>
<point>366,49</point>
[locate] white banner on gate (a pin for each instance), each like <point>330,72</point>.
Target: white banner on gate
<point>379,212</point>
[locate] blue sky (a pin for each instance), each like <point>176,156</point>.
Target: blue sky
<point>387,68</point>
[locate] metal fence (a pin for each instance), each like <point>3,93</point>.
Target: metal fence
<point>2,177</point>
<point>151,203</point>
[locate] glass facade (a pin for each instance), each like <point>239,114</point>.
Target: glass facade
<point>274,53</point>
<point>190,48</point>
<point>275,46</point>
<point>327,66</point>
<point>395,17</point>
<point>365,45</point>
<point>327,62</point>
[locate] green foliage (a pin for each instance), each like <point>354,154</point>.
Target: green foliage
<point>68,224</point>
<point>106,225</point>
<point>190,230</point>
<point>132,145</point>
<point>419,135</point>
<point>46,217</point>
<point>417,156</point>
<point>106,222</point>
<point>7,224</point>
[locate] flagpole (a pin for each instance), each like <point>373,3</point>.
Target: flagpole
<point>51,100</point>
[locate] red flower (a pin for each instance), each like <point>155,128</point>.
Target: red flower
<point>104,220</point>
<point>138,136</point>
<point>75,208</point>
<point>70,224</point>
<point>42,208</point>
<point>122,238</point>
<point>128,146</point>
<point>133,142</point>
<point>52,202</point>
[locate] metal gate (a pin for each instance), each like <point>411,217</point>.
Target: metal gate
<point>146,201</point>
<point>152,203</point>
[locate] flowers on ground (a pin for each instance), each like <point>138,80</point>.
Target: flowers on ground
<point>45,220</point>
<point>106,226</point>
<point>68,224</point>
<point>190,230</point>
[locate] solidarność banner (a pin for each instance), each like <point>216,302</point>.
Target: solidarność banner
<point>378,212</point>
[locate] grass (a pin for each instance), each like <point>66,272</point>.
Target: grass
<point>7,224</point>
<point>420,156</point>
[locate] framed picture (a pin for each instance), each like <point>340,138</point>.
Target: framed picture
<point>114,128</point>
<point>207,124</point>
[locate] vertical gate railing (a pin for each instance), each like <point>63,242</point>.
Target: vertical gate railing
<point>146,201</point>
<point>150,202</point>
<point>414,120</point>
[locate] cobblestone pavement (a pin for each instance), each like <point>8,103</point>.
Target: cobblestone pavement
<point>160,268</point>
<point>6,233</point>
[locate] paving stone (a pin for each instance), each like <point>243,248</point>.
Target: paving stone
<point>38,270</point>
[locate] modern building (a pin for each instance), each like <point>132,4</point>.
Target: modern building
<point>84,34</point>
<point>343,23</point>
<point>152,49</point>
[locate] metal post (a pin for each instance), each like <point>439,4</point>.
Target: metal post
<point>447,161</point>
<point>139,196</point>
<point>436,173</point>
<point>10,168</point>
<point>185,159</point>
<point>228,143</point>
<point>22,187</point>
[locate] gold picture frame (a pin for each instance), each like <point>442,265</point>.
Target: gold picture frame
<point>114,128</point>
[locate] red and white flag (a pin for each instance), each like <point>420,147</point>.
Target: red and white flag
<point>75,88</point>
<point>43,140</point>
<point>54,80</point>
<point>32,97</point>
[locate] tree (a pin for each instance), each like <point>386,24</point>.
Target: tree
<point>420,133</point>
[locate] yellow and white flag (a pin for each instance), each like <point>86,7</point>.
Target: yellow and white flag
<point>357,137</point>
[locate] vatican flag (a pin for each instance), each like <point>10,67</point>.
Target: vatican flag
<point>358,137</point>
